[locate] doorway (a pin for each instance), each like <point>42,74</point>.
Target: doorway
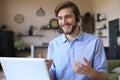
<point>113,28</point>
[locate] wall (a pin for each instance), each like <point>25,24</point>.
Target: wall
<point>2,11</point>
<point>28,9</point>
<point>111,9</point>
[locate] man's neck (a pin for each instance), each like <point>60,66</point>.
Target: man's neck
<point>72,36</point>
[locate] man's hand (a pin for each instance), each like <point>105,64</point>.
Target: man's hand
<point>88,70</point>
<point>83,68</point>
<point>48,61</point>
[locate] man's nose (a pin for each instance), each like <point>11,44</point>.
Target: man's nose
<point>64,21</point>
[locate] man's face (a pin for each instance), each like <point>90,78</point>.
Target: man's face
<point>67,21</point>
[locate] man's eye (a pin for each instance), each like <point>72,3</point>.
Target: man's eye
<point>59,18</point>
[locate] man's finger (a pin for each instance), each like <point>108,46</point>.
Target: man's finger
<point>40,55</point>
<point>85,60</point>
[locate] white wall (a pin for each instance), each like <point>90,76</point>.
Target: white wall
<point>28,9</point>
<point>9,8</point>
<point>111,8</point>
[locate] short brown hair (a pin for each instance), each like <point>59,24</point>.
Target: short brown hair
<point>68,4</point>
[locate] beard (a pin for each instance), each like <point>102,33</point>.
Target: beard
<point>70,32</point>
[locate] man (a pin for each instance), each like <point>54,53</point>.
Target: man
<point>75,54</point>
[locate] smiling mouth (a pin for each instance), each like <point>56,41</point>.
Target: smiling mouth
<point>67,26</point>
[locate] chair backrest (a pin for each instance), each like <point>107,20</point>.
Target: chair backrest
<point>112,64</point>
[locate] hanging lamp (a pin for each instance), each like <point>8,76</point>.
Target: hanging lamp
<point>40,12</point>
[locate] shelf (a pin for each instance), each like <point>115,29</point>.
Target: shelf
<point>102,28</point>
<point>23,35</point>
<point>102,36</point>
<point>101,20</point>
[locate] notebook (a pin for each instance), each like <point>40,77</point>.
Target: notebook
<point>24,68</point>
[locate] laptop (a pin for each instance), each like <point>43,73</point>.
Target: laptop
<point>24,68</point>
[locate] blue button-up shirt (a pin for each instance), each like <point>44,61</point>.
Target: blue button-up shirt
<point>64,53</point>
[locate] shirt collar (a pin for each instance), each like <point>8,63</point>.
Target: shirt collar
<point>78,37</point>
<point>64,39</point>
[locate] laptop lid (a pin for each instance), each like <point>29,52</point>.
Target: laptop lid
<point>24,68</point>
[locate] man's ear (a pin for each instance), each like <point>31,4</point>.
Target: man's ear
<point>78,18</point>
<point>60,30</point>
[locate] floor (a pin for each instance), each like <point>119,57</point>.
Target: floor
<point>2,77</point>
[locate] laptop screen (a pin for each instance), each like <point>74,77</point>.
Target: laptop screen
<point>24,68</point>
